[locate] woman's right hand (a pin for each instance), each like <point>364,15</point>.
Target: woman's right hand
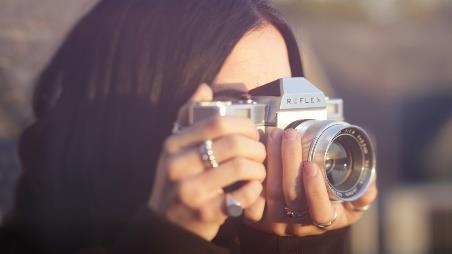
<point>190,195</point>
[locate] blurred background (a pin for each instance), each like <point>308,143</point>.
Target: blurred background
<point>390,60</point>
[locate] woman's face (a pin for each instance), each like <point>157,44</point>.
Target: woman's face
<point>259,57</point>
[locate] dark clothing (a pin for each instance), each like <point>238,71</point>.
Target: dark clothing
<point>149,232</point>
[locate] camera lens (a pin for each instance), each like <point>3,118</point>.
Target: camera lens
<point>337,163</point>
<point>343,162</point>
<point>343,151</point>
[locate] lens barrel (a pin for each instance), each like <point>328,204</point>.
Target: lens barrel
<point>344,152</point>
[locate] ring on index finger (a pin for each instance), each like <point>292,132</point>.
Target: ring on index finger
<point>207,155</point>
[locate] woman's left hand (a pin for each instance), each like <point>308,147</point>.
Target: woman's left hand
<point>300,189</point>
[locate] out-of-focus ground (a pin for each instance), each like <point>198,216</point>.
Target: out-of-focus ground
<point>390,60</point>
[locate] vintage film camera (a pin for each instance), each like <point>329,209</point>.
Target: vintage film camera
<point>344,152</point>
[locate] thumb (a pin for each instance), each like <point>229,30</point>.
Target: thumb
<point>202,93</point>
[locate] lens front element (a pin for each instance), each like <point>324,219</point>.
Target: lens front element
<point>347,156</point>
<point>337,163</point>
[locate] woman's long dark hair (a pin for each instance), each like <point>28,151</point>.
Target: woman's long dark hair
<point>108,99</point>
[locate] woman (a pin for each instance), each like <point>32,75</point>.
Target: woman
<point>102,171</point>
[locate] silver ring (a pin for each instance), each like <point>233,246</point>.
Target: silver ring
<point>207,156</point>
<point>176,127</point>
<point>291,213</point>
<point>233,207</point>
<point>359,208</point>
<point>329,223</point>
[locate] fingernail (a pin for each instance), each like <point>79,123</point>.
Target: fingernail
<point>290,134</point>
<point>310,169</point>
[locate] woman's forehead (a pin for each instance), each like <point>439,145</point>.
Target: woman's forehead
<point>259,57</point>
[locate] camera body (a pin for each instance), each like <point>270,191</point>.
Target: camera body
<point>343,151</point>
<point>277,104</point>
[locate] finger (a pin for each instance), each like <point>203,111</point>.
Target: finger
<point>215,208</point>
<point>198,189</point>
<point>202,93</point>
<point>232,146</point>
<point>232,171</point>
<point>320,207</point>
<point>211,128</point>
<point>255,211</point>
<point>291,165</point>
<point>273,184</point>
<point>365,200</point>
<point>188,162</point>
<point>274,203</point>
